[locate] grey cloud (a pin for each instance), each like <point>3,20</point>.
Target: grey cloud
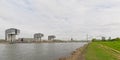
<point>64,18</point>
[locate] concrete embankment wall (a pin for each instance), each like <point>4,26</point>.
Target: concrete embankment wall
<point>76,55</point>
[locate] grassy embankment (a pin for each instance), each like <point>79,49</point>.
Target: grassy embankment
<point>108,50</point>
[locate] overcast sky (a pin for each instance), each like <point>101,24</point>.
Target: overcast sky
<point>63,18</point>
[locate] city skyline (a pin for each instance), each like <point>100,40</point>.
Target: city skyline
<point>64,18</point>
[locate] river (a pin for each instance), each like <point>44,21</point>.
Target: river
<point>42,51</point>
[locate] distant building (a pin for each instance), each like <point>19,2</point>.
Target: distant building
<point>109,38</point>
<point>25,40</point>
<point>103,38</point>
<point>71,39</point>
<point>38,36</point>
<point>10,34</point>
<point>51,37</point>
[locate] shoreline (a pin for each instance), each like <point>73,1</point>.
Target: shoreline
<point>15,42</point>
<point>78,54</point>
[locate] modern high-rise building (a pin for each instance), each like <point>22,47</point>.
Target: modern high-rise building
<point>10,34</point>
<point>51,37</point>
<point>38,36</point>
<point>103,38</point>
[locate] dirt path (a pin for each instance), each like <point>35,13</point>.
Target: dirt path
<point>82,55</point>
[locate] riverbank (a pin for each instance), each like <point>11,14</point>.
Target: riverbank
<point>103,50</point>
<point>76,55</point>
<point>44,41</point>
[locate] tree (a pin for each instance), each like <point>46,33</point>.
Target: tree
<point>116,39</point>
<point>94,39</point>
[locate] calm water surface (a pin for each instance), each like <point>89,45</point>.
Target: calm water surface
<point>43,51</point>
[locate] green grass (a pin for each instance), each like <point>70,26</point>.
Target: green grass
<point>113,44</point>
<point>96,52</point>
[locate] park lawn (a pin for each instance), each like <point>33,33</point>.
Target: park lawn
<point>97,51</point>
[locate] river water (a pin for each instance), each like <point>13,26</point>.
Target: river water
<point>42,51</point>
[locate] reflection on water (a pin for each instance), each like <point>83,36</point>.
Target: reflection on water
<point>43,51</point>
